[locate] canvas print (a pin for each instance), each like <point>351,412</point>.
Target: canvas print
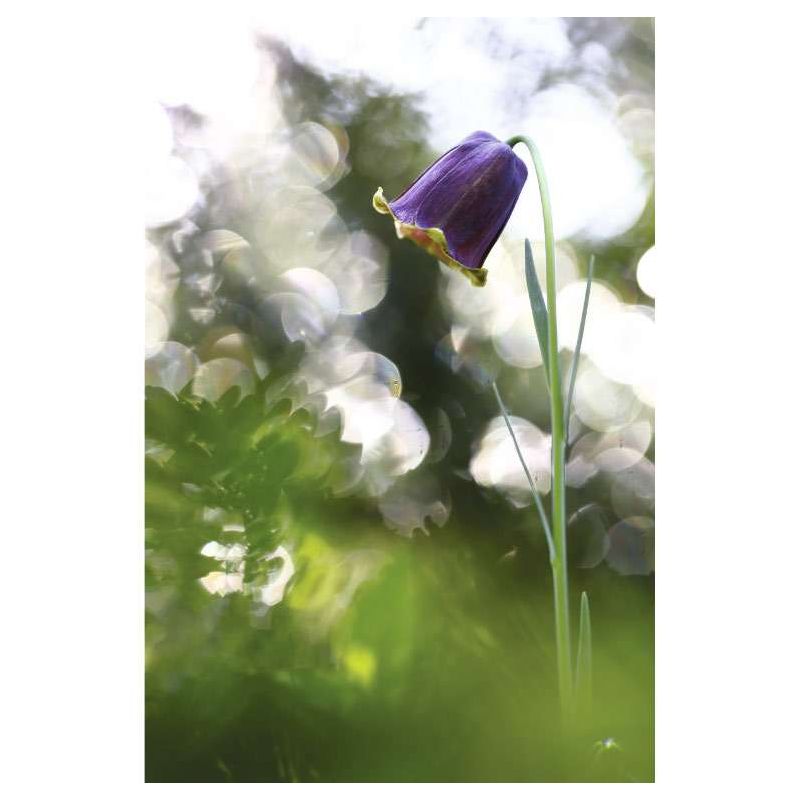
<point>400,400</point>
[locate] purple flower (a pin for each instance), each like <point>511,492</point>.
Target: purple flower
<point>459,206</point>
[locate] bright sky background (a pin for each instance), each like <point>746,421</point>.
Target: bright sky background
<point>470,74</point>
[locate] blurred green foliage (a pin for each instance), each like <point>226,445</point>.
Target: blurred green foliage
<point>439,667</point>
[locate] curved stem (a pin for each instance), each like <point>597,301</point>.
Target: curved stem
<point>559,522</point>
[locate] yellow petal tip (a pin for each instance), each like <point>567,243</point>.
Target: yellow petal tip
<point>432,240</point>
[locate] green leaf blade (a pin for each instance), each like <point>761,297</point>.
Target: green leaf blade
<point>576,356</point>
<point>534,491</point>
<point>538,307</point>
<point>583,673</point>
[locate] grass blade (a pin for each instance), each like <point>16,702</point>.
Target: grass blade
<point>536,497</point>
<point>576,356</point>
<point>583,672</point>
<point>538,307</point>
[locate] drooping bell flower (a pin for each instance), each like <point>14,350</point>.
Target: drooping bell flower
<point>458,207</point>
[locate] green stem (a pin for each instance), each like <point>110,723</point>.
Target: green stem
<point>559,519</point>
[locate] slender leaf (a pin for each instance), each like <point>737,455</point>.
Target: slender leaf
<point>576,357</point>
<point>536,497</point>
<point>583,672</point>
<point>538,307</point>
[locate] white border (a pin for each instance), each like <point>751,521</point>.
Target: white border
<point>727,450</point>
